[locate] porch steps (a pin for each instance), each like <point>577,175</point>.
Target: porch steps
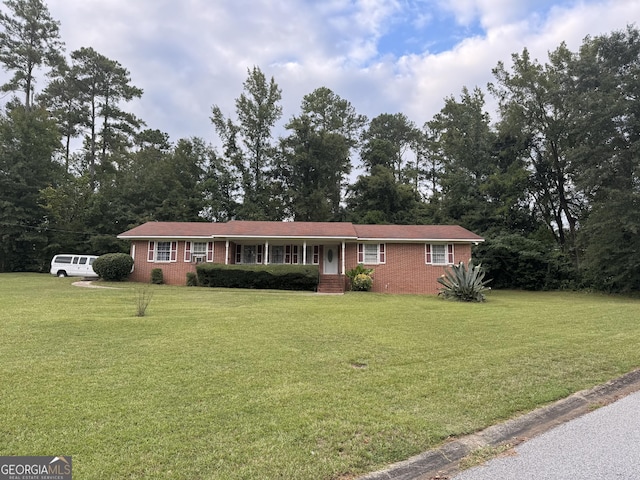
<point>331,284</point>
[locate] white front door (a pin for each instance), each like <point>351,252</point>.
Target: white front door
<point>330,260</point>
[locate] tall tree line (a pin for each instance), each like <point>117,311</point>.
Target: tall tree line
<point>551,182</point>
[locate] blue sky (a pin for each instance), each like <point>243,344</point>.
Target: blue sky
<point>384,56</point>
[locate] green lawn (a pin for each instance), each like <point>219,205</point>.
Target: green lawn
<point>230,384</point>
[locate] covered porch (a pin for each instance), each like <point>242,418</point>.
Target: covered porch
<point>330,256</point>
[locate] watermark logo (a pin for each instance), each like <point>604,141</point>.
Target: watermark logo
<point>35,468</point>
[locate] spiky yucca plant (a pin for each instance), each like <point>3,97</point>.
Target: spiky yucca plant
<point>464,283</point>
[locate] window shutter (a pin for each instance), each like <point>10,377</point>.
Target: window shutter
<point>174,251</point>
<point>287,254</point>
<point>427,253</point>
<point>361,253</point>
<point>382,253</point>
<point>151,256</point>
<point>210,252</point>
<point>295,254</point>
<point>316,254</point>
<point>187,251</point>
<point>259,250</point>
<point>238,253</point>
<point>450,252</point>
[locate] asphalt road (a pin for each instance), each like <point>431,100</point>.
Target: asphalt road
<point>603,444</point>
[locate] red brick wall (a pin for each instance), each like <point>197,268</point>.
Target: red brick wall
<point>404,270</point>
<point>173,273</point>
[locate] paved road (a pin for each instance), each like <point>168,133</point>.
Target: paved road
<point>603,444</point>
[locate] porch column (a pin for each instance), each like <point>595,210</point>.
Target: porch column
<point>343,260</point>
<point>304,252</point>
<point>265,254</point>
<point>226,252</point>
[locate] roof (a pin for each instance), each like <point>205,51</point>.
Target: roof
<point>415,232</point>
<point>171,230</point>
<point>237,229</point>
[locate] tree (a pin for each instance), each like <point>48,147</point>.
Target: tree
<point>611,242</point>
<point>103,84</point>
<point>393,133</point>
<point>66,206</point>
<point>534,105</point>
<point>464,144</point>
<point>63,98</point>
<point>29,39</point>
<point>606,124</point>
<point>316,156</point>
<point>161,182</point>
<point>28,140</point>
<point>248,143</point>
<point>377,197</point>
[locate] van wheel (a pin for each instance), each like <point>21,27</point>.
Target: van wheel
<point>62,274</point>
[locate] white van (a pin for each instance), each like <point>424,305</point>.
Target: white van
<point>72,265</point>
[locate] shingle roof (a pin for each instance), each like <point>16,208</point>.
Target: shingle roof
<point>172,230</point>
<point>335,230</point>
<point>238,228</point>
<point>415,232</point>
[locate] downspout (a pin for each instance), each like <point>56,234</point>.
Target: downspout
<point>343,259</point>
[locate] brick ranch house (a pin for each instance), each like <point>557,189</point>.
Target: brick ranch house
<point>405,258</point>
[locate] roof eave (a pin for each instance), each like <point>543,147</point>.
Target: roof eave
<point>420,240</point>
<point>167,237</point>
<point>283,237</point>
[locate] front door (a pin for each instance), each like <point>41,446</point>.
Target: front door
<point>330,260</point>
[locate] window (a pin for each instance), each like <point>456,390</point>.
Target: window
<point>439,254</point>
<point>249,253</point>
<point>162,251</point>
<point>313,254</point>
<point>198,252</point>
<point>371,253</point>
<point>277,254</point>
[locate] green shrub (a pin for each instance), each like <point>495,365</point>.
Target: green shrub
<point>113,267</point>
<point>463,283</point>
<point>192,279</point>
<point>279,277</point>
<point>362,283</point>
<point>357,278</point>
<point>515,261</point>
<point>157,278</point>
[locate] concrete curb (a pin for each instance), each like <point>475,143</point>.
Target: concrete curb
<point>443,461</point>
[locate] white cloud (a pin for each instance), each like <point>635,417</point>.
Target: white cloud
<point>192,54</point>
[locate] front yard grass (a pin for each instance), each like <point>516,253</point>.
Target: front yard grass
<point>231,384</point>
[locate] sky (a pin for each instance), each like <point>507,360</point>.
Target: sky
<point>384,56</point>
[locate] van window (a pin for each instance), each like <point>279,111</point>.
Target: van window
<point>63,259</point>
<point>83,260</point>
<point>91,260</point>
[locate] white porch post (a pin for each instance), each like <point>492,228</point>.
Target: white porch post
<point>265,254</point>
<point>304,252</point>
<point>343,260</point>
<point>226,252</point>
